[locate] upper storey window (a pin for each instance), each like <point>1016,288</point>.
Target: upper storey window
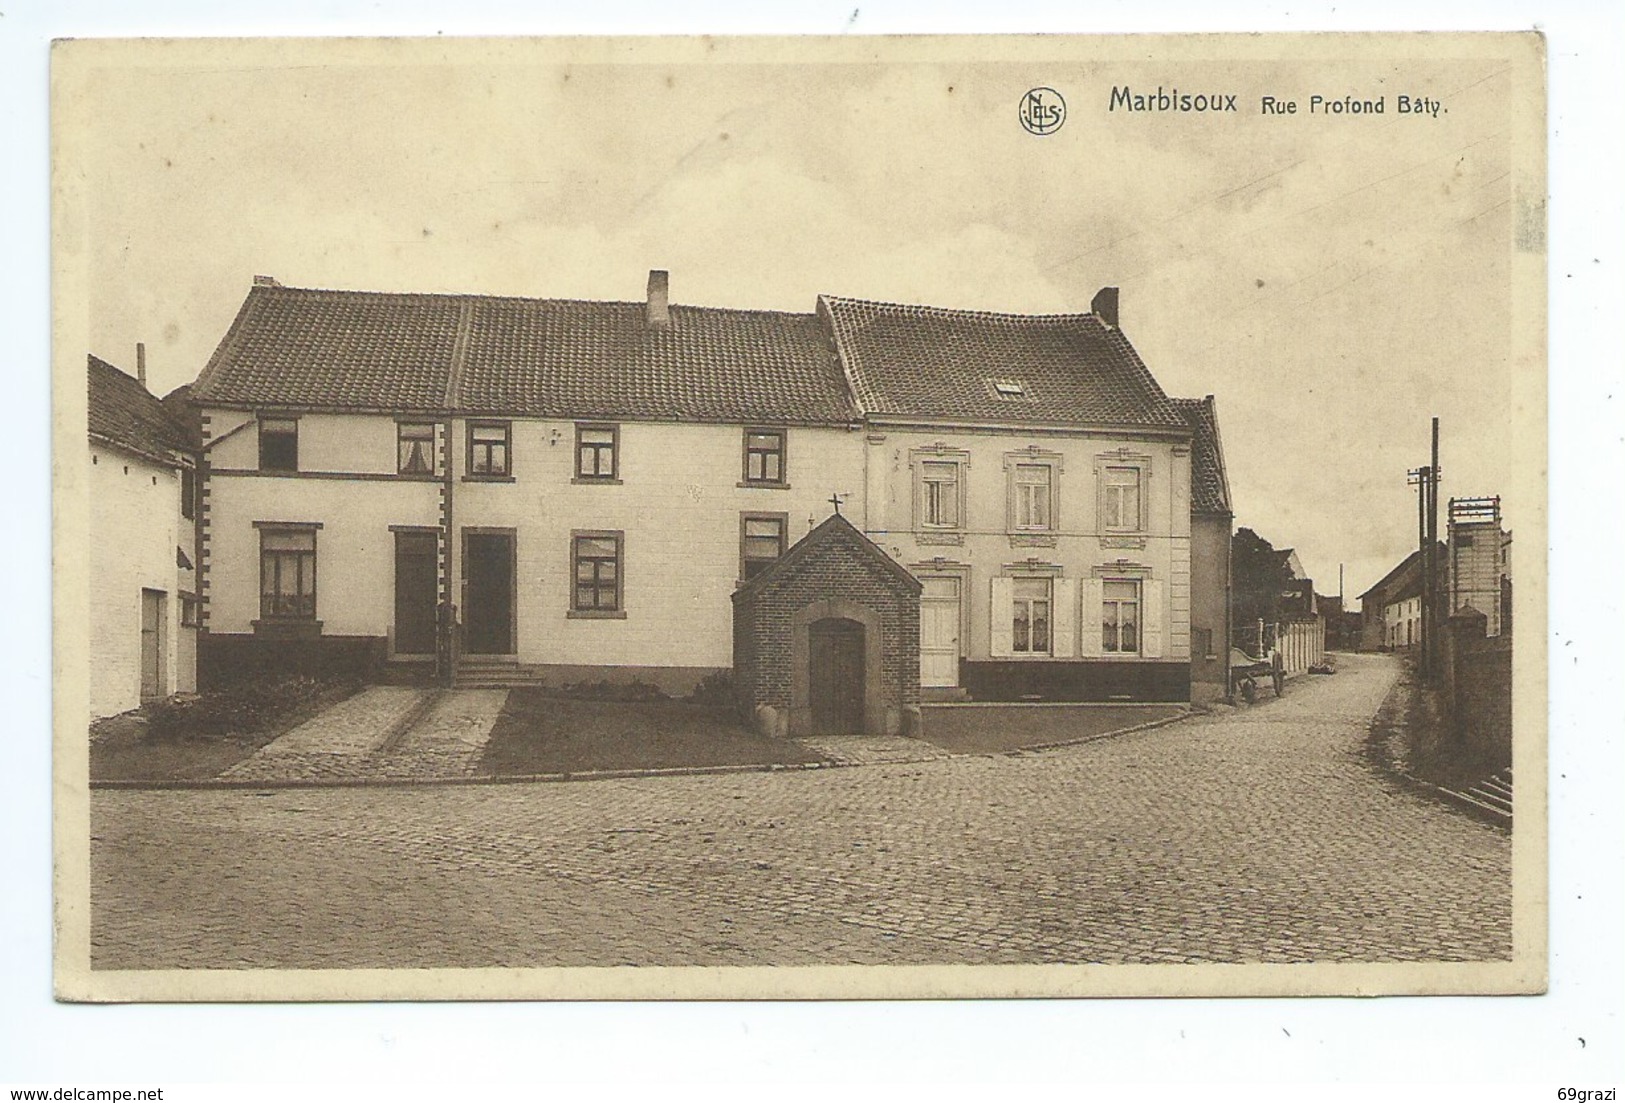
<point>279,444</point>
<point>489,448</point>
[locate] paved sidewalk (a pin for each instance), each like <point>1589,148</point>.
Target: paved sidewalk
<point>447,741</point>
<point>337,744</point>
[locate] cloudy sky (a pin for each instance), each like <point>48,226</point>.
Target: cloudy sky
<point>1334,281</point>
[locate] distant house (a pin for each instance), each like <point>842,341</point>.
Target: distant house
<point>567,490</point>
<point>1391,610</point>
<point>143,552</point>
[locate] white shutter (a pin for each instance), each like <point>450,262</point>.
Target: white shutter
<point>1064,606</point>
<point>1001,614</point>
<point>1151,618</point>
<point>1089,618</point>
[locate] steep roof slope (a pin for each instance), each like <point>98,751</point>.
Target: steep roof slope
<point>935,363</point>
<point>1210,484</point>
<point>125,415</point>
<point>509,356</point>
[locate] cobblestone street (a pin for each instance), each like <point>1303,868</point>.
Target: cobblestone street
<point>1261,834</point>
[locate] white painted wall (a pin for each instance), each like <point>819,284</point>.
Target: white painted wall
<point>355,549</point>
<point>679,506</point>
<point>134,530</point>
<point>987,546</point>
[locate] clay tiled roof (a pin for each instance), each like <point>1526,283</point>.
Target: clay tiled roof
<point>334,349</point>
<point>927,362</point>
<point>598,359</point>
<point>123,414</point>
<point>1210,486</point>
<point>539,357</point>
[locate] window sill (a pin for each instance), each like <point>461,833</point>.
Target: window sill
<point>417,477</point>
<point>595,614</point>
<point>748,484</point>
<point>590,480</point>
<point>489,479</point>
<point>939,536</point>
<point>1032,538</point>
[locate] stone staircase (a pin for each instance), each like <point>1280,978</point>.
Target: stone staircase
<point>494,672</point>
<point>1490,798</point>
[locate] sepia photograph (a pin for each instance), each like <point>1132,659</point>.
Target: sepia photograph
<point>829,517</point>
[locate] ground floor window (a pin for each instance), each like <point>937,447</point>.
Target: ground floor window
<point>1120,617</point>
<point>288,573</point>
<point>597,557</point>
<point>762,540</point>
<point>1030,626</point>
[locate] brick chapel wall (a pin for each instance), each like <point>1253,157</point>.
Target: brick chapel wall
<point>836,573</point>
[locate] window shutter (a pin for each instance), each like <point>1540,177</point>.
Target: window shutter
<point>1001,612</point>
<point>1093,591</point>
<point>1151,618</point>
<point>1065,606</point>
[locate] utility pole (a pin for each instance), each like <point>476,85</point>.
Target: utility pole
<point>1426,481</point>
<point>1430,596</point>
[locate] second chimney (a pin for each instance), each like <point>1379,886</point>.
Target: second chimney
<point>141,363</point>
<point>1104,305</point>
<point>659,310</point>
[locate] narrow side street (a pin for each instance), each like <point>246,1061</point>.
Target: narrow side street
<point>1257,835</point>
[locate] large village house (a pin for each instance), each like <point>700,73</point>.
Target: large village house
<point>571,491</point>
<point>144,610</point>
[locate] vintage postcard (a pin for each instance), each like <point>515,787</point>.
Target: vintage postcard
<point>799,518</point>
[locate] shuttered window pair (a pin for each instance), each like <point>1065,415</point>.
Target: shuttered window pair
<point>1064,618</point>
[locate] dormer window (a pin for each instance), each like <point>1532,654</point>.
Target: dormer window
<point>1010,390</point>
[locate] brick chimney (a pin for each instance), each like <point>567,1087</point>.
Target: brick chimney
<point>1104,305</point>
<point>141,363</point>
<point>659,309</point>
<point>266,281</point>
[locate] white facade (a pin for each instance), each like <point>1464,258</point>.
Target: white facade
<point>1116,577</point>
<point>136,586</point>
<point>677,499</point>
<point>1402,622</point>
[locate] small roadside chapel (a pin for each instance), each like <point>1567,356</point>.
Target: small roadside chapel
<point>827,639</point>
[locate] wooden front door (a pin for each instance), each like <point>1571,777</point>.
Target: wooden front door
<point>835,675</point>
<point>939,632</point>
<point>152,643</point>
<point>488,597</point>
<point>416,581</point>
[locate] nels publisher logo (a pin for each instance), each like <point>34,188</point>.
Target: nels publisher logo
<point>1042,111</point>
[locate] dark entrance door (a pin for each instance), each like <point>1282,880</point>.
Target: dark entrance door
<point>488,599</point>
<point>835,675</point>
<point>415,585</point>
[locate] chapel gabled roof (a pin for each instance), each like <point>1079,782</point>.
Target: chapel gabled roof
<point>940,364</point>
<point>124,414</point>
<point>833,530</point>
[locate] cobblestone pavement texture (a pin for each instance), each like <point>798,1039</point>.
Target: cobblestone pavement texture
<point>872,750</point>
<point>382,733</point>
<point>447,741</point>
<point>1261,834</point>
